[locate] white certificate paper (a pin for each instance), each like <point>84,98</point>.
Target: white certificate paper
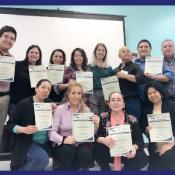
<point>37,73</point>
<point>7,68</point>
<point>161,129</point>
<point>86,80</point>
<point>153,65</point>
<point>83,127</point>
<point>109,85</point>
<point>55,73</point>
<point>122,135</point>
<point>43,116</point>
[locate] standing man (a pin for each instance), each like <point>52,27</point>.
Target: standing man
<point>167,48</point>
<point>7,39</point>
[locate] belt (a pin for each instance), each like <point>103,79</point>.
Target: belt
<point>3,93</point>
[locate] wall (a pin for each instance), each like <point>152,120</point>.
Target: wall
<point>154,23</point>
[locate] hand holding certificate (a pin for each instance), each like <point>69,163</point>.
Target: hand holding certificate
<point>122,135</point>
<point>83,127</point>
<point>43,116</point>
<point>153,65</point>
<point>86,80</point>
<point>37,73</point>
<point>161,129</point>
<point>109,85</point>
<point>7,68</point>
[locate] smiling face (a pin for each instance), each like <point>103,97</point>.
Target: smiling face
<point>168,49</point>
<point>57,58</point>
<point>100,53</point>
<point>75,95</point>
<point>125,54</point>
<point>43,90</point>
<point>154,96</point>
<point>116,102</point>
<point>7,40</point>
<point>78,58</point>
<point>33,55</point>
<point>144,50</point>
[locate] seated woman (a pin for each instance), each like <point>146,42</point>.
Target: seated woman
<point>29,145</point>
<point>70,154</point>
<point>162,154</point>
<point>136,158</point>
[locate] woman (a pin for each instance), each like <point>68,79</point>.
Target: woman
<point>58,56</point>
<point>136,158</point>
<point>29,145</point>
<point>100,70</point>
<point>70,154</point>
<point>161,154</point>
<point>78,63</point>
<point>22,79</point>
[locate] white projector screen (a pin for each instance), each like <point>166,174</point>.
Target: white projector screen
<point>65,30</point>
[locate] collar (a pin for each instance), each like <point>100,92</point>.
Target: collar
<point>68,107</point>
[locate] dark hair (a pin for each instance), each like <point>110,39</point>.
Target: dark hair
<point>144,41</point>
<point>157,86</point>
<point>40,54</point>
<point>8,29</point>
<point>96,47</point>
<point>58,50</point>
<point>85,60</point>
<point>42,80</point>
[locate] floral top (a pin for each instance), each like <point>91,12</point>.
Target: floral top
<point>136,133</point>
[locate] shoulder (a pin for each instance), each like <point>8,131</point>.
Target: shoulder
<point>132,119</point>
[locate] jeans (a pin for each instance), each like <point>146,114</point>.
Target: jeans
<point>37,158</point>
<point>4,105</point>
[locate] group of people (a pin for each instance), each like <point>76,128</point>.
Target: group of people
<point>141,94</point>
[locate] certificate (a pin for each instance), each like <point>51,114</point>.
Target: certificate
<point>161,129</point>
<point>86,80</point>
<point>43,116</point>
<point>37,73</point>
<point>83,127</point>
<point>55,73</point>
<point>153,65</point>
<point>7,68</point>
<point>109,85</point>
<point>122,135</point>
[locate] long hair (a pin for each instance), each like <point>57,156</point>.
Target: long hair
<point>83,107</point>
<point>85,60</point>
<point>39,61</point>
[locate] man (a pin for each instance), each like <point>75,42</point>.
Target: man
<point>144,49</point>
<point>7,38</point>
<point>167,48</point>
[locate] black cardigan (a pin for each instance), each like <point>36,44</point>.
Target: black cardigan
<point>167,106</point>
<point>129,119</point>
<point>23,116</point>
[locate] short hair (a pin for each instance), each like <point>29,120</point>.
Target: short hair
<point>8,29</point>
<point>39,62</point>
<point>43,80</point>
<point>166,41</point>
<point>85,60</point>
<point>144,41</point>
<point>58,50</point>
<point>157,86</point>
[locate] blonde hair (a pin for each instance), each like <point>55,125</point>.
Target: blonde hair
<point>105,62</point>
<point>83,107</point>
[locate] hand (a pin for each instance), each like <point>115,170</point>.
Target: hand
<point>131,153</point>
<point>122,75</point>
<point>109,141</point>
<point>96,121</point>
<point>164,148</point>
<point>30,129</point>
<point>150,76</point>
<point>54,106</point>
<point>72,81</point>
<point>69,140</point>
